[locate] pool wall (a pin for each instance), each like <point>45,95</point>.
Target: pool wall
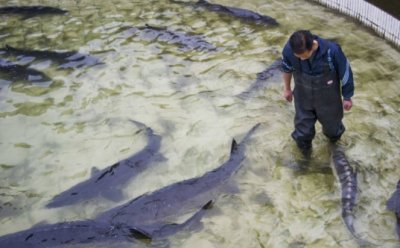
<point>381,22</point>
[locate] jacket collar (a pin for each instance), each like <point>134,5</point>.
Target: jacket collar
<point>323,47</point>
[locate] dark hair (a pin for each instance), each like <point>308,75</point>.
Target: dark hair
<point>301,41</point>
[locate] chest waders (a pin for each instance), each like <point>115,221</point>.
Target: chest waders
<point>317,98</point>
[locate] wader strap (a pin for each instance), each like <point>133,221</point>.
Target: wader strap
<point>297,65</point>
<point>331,66</point>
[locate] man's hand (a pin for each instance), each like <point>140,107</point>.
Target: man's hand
<point>288,95</point>
<point>347,104</point>
<point>287,91</point>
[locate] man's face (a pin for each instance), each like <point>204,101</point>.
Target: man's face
<point>305,55</point>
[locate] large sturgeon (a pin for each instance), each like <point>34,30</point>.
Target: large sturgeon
<point>147,212</point>
<point>185,41</point>
<point>30,11</point>
<point>347,177</point>
<point>91,231</point>
<point>393,204</point>
<point>145,217</point>
<point>68,59</point>
<point>348,182</point>
<point>108,182</point>
<point>242,14</point>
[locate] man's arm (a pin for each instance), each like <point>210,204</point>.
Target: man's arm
<point>346,77</point>
<point>287,90</point>
<point>287,70</point>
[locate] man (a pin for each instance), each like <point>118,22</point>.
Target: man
<point>322,75</point>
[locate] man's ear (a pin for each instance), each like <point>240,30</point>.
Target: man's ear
<point>315,44</point>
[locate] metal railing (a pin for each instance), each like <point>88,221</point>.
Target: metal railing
<point>381,22</point>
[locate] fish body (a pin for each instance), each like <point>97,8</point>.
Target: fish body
<point>154,209</point>
<point>31,11</point>
<point>144,218</point>
<point>348,182</point>
<point>64,233</point>
<point>242,14</point>
<point>68,59</point>
<point>347,178</point>
<point>15,72</point>
<point>185,41</point>
<point>263,78</point>
<point>108,182</point>
<point>93,231</point>
<point>393,204</point>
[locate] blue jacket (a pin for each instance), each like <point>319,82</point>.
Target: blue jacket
<point>314,66</point>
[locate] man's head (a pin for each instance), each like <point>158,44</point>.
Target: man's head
<point>303,44</point>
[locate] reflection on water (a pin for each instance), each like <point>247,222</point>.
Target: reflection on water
<point>53,133</point>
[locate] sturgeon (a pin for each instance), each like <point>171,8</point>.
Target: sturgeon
<point>91,231</point>
<point>273,71</point>
<point>145,217</point>
<point>149,211</point>
<point>347,178</point>
<point>108,182</point>
<point>241,14</point>
<point>185,41</point>
<point>393,204</point>
<point>16,72</point>
<point>31,11</point>
<point>68,59</point>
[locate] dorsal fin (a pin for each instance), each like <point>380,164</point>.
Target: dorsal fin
<point>42,223</point>
<point>208,205</point>
<point>140,235</point>
<point>94,171</point>
<point>234,146</point>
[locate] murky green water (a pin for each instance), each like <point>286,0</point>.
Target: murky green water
<point>52,135</point>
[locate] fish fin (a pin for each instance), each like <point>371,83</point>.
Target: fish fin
<point>234,146</point>
<point>137,123</point>
<point>113,195</point>
<point>349,221</point>
<point>208,205</point>
<point>244,95</point>
<point>148,233</point>
<point>140,235</point>
<point>159,158</point>
<point>94,171</point>
<point>191,223</point>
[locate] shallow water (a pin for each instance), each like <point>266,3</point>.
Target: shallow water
<point>54,133</point>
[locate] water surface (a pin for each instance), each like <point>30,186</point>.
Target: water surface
<point>54,133</point>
